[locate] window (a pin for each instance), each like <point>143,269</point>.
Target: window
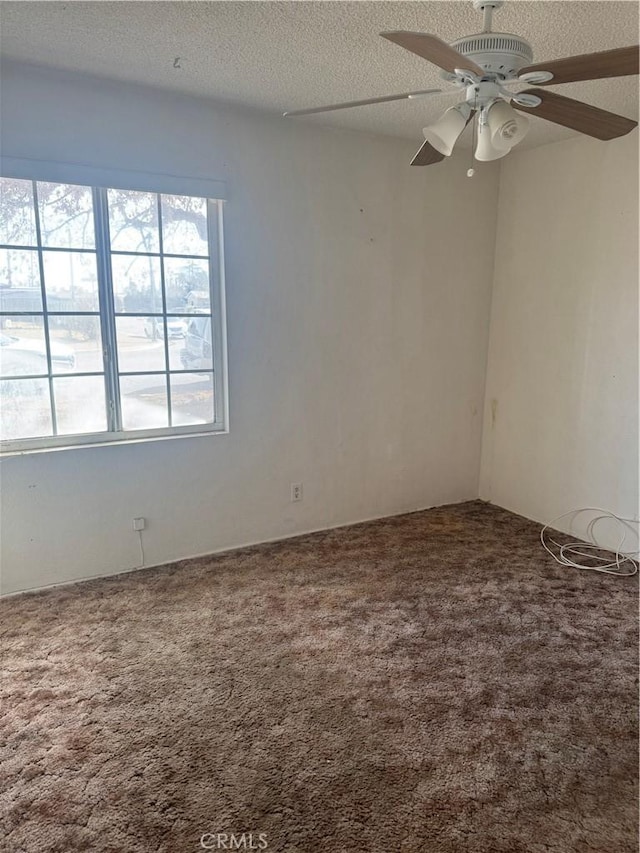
<point>111,323</point>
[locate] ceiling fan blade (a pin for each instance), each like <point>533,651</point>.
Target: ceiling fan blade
<point>434,49</point>
<point>620,62</point>
<point>576,115</point>
<point>348,104</point>
<point>427,155</point>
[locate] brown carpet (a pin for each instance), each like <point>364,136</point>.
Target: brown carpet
<point>432,682</point>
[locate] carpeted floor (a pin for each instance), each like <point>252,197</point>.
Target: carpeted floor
<point>432,682</point>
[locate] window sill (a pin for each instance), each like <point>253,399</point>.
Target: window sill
<point>26,448</point>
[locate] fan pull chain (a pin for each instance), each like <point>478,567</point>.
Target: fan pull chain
<point>471,171</point>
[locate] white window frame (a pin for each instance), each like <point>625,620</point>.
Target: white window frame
<point>100,181</point>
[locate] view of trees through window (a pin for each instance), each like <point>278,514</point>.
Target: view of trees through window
<point>106,314</point>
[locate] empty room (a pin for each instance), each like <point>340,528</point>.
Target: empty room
<point>319,475</point>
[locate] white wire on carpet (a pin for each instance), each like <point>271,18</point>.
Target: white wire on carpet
<point>625,563</point>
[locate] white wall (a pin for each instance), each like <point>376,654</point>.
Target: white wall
<point>358,305</point>
<point>561,412</point>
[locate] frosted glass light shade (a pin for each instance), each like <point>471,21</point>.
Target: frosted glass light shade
<point>507,126</point>
<point>486,150</point>
<point>443,134</point>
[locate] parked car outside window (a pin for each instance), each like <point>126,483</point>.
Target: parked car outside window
<point>176,327</point>
<point>196,354</point>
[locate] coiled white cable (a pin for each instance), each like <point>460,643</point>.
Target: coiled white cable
<point>625,563</point>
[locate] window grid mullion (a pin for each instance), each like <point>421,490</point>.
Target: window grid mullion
<point>45,318</point>
<point>107,308</point>
<point>218,308</point>
<point>82,250</point>
<point>52,313</point>
<point>164,312</point>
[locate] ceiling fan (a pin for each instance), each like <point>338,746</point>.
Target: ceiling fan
<point>483,66</point>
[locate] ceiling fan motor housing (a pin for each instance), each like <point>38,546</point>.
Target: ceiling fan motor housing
<point>499,54</point>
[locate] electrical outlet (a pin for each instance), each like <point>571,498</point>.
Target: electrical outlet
<point>296,492</point>
<point>139,523</point>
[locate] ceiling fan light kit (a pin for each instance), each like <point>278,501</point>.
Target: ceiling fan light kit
<point>483,66</point>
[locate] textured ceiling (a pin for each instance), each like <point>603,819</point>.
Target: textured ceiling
<point>277,56</point>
